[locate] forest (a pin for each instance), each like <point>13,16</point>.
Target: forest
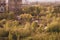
<point>31,23</point>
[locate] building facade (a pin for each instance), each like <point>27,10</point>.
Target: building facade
<point>14,5</point>
<point>2,6</point>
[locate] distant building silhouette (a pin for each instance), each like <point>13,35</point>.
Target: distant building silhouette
<point>2,6</point>
<point>14,5</point>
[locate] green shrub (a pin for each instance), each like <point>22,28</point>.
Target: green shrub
<point>26,17</point>
<point>3,33</point>
<point>34,26</point>
<point>54,27</point>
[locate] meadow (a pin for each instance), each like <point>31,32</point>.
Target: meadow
<point>31,23</point>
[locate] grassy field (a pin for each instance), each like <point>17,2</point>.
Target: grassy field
<point>31,23</point>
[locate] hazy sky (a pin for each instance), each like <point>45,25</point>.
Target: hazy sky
<point>24,1</point>
<point>37,0</point>
<point>6,1</point>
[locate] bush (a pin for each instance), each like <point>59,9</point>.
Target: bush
<point>26,17</point>
<point>11,16</point>
<point>34,26</point>
<point>54,27</point>
<point>32,10</point>
<point>3,33</point>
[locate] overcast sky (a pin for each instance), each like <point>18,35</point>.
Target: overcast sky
<point>40,0</point>
<point>6,1</point>
<point>37,0</point>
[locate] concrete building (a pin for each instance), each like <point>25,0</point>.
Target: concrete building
<point>2,6</point>
<point>14,5</point>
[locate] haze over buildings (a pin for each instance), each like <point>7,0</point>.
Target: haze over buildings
<point>6,1</point>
